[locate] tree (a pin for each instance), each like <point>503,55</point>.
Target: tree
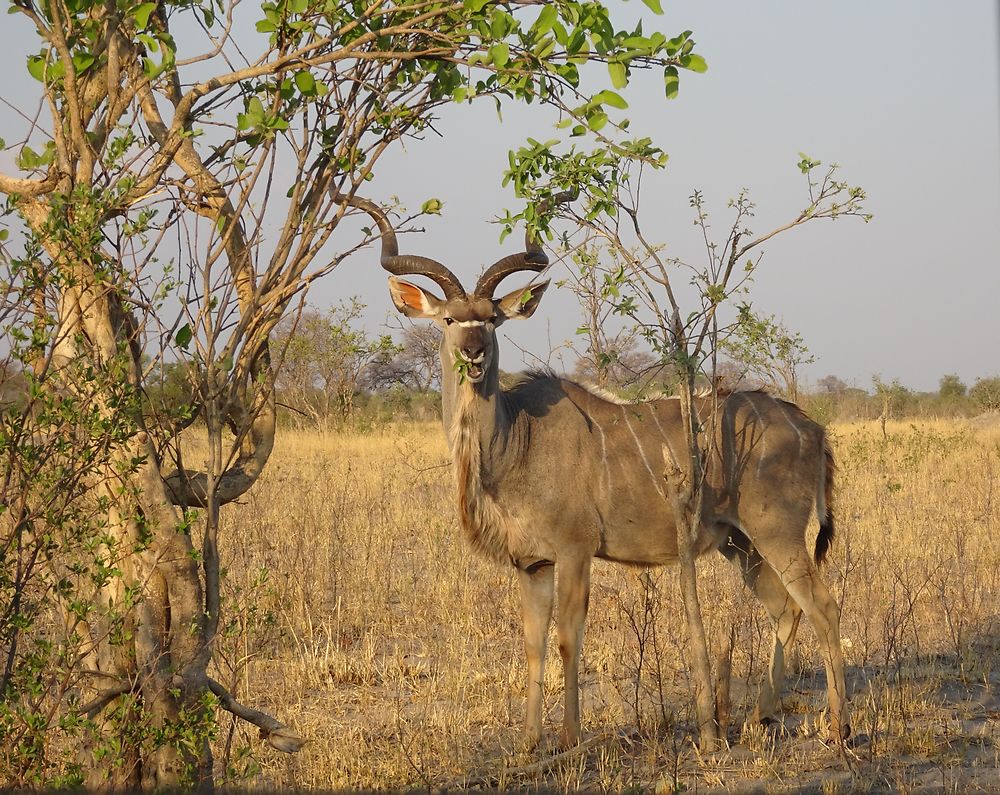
<point>620,364</point>
<point>417,365</point>
<point>326,358</point>
<point>950,387</point>
<point>686,339</point>
<point>986,393</point>
<point>893,399</point>
<point>767,351</point>
<point>608,358</point>
<point>184,187</point>
<point>831,384</point>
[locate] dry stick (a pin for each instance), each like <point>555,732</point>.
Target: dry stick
<point>276,733</point>
<point>724,667</point>
<point>680,493</point>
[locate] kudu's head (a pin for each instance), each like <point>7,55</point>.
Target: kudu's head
<point>468,320</point>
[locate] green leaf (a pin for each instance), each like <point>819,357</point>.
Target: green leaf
<point>183,336</point>
<point>544,49</point>
<point>499,23</point>
<point>306,83</point>
<point>654,5</point>
<point>619,75</point>
<point>596,121</point>
<point>28,159</point>
<point>36,67</point>
<point>611,98</point>
<point>255,109</point>
<point>431,206</point>
<point>674,45</point>
<point>141,14</point>
<point>499,55</point>
<point>82,61</point>
<point>671,82</point>
<point>694,62</point>
<point>546,19</point>
<point>4,234</point>
<point>716,293</point>
<point>476,5</point>
<point>150,43</point>
<point>807,164</point>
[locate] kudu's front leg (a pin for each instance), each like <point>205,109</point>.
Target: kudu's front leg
<point>536,611</point>
<point>574,598</point>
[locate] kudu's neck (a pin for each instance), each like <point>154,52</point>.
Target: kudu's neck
<point>478,425</point>
<point>476,405</point>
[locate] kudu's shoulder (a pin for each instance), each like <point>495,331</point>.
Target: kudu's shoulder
<point>770,412</point>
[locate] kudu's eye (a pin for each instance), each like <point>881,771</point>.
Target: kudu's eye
<point>449,320</point>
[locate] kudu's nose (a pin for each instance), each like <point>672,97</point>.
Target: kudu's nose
<point>473,353</point>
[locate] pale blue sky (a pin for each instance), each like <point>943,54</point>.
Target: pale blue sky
<point>903,94</point>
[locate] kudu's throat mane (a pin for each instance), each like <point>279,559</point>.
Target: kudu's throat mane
<point>490,529</point>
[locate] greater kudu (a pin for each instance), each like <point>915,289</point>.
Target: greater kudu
<point>551,475</point>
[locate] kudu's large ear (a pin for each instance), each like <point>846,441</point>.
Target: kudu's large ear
<point>414,301</point>
<point>522,303</point>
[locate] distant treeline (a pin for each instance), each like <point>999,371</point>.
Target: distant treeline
<point>366,402</point>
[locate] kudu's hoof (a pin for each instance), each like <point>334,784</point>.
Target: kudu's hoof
<point>529,743</point>
<point>839,738</point>
<point>772,725</point>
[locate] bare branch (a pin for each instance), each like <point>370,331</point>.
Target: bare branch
<point>29,187</point>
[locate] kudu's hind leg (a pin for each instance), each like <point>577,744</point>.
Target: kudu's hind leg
<point>537,586</point>
<point>782,609</point>
<point>574,598</point>
<point>790,559</point>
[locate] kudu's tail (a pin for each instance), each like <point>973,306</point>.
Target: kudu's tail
<point>824,503</point>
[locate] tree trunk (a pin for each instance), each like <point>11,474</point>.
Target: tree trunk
<point>149,635</point>
<point>684,490</point>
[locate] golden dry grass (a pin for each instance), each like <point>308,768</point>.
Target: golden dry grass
<point>359,616</point>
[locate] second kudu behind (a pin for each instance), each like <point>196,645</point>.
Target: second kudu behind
<point>551,475</point>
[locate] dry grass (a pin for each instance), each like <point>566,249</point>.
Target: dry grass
<point>365,622</point>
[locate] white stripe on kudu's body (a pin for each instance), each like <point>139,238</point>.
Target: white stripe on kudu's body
<point>537,474</point>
